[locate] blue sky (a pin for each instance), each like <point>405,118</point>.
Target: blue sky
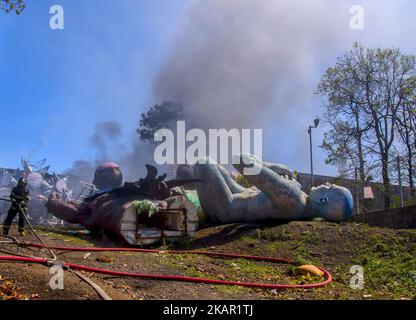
<point>56,85</point>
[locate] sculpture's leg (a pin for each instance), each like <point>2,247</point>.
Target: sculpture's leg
<point>214,193</point>
<point>231,183</point>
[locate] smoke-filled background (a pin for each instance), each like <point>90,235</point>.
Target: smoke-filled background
<point>231,63</point>
<point>106,146</point>
<point>236,63</point>
<point>241,64</point>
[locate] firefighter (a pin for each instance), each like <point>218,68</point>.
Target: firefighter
<point>19,197</point>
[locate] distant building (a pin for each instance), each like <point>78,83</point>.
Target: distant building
<point>371,194</point>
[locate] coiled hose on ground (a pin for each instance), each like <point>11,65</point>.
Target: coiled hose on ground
<point>42,261</point>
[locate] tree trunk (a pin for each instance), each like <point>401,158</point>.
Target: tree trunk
<point>405,130</point>
<point>360,148</point>
<point>410,174</point>
<point>386,181</point>
<point>410,165</point>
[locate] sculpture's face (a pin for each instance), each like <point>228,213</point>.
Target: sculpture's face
<point>331,202</point>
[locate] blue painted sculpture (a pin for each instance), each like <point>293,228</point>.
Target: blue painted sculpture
<point>276,196</point>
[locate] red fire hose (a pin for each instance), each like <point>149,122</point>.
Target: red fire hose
<point>328,276</point>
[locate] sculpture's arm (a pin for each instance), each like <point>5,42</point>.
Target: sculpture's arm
<point>284,193</point>
<point>68,211</point>
<point>280,169</point>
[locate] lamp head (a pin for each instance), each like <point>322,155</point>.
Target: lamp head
<point>316,122</point>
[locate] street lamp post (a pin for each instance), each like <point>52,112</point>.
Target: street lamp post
<point>316,124</point>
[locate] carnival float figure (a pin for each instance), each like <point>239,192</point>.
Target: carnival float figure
<point>276,194</point>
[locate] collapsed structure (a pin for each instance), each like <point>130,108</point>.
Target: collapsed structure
<point>40,183</point>
<point>137,213</point>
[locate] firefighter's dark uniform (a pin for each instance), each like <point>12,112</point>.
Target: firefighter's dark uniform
<point>20,197</point>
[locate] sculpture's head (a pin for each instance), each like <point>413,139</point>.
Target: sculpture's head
<point>108,176</point>
<point>331,202</point>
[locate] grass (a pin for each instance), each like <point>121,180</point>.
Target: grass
<point>62,233</point>
<point>389,267</point>
<point>388,258</point>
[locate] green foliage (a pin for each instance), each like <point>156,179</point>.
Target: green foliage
<point>12,5</point>
<point>242,180</point>
<point>301,255</point>
<point>396,203</point>
<point>192,196</point>
<point>388,267</point>
<point>296,175</point>
<point>387,257</point>
<point>181,243</point>
<point>159,117</point>
<point>145,206</point>
<point>368,94</point>
<point>273,235</point>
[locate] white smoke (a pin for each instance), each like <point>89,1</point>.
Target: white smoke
<point>236,62</point>
<point>255,64</point>
<point>106,146</point>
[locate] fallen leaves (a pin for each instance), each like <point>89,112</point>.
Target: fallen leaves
<point>9,291</point>
<point>104,259</point>
<point>87,255</point>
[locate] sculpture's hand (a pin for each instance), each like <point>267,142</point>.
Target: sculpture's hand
<point>281,170</point>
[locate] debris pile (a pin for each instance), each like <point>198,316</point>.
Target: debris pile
<point>41,183</point>
<point>137,213</point>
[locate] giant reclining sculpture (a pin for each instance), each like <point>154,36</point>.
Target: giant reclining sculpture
<point>276,196</point>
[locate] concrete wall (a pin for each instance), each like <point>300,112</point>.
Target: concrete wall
<point>401,218</point>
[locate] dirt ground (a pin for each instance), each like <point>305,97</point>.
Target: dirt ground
<point>388,258</point>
